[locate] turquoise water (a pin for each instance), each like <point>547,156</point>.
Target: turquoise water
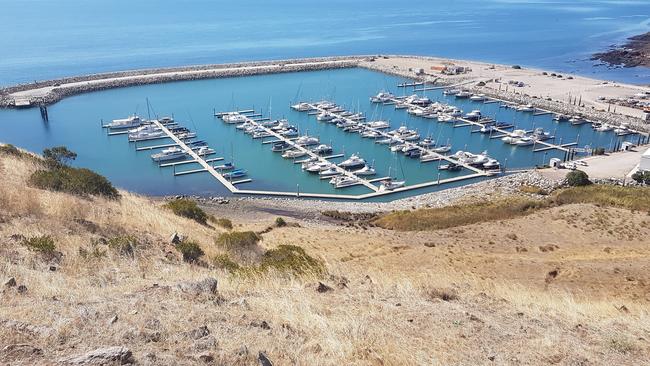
<point>43,39</point>
<point>75,122</point>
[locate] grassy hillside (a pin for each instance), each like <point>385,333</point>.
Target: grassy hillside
<point>566,284</point>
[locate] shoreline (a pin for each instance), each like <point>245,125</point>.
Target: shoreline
<point>557,94</point>
<point>634,52</point>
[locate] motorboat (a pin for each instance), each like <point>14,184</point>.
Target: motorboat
<point>326,105</point>
<point>577,120</point>
<point>378,125</point>
<point>605,127</point>
<point>452,167</point>
<point>353,162</point>
<point>492,164</point>
<point>301,107</point>
<point>474,115</point>
<point>561,118</point>
<point>171,153</point>
<point>146,135</point>
<point>513,137</point>
<point>329,172</point>
<point>233,118</point>
<point>429,156</point>
<point>401,106</point>
<point>409,148</point>
<point>415,111</point>
<point>486,129</point>
<point>411,137</point>
<point>129,122</point>
<point>204,151</point>
<point>446,118</point>
<point>526,108</point>
<point>540,135</point>
<point>295,153</point>
<point>478,97</point>
<point>166,120</point>
<point>427,142</point>
<point>390,184</point>
<point>382,97</point>
<point>442,149</point>
<point>345,181</point>
<point>451,92</point>
<point>413,153</point>
<point>524,141</point>
<point>322,149</point>
<point>463,94</point>
<point>281,146</point>
<point>325,116</point>
<point>622,129</point>
<point>398,147</point>
<point>319,166</point>
<point>246,125</point>
<point>289,132</point>
<point>366,170</point>
<point>261,134</point>
<point>387,141</point>
<point>307,141</point>
<point>370,134</point>
<point>225,166</point>
<point>237,173</point>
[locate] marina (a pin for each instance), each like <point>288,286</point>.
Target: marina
<point>368,127</point>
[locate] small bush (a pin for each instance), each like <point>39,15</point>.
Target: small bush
<point>642,177</point>
<point>94,253</point>
<point>42,244</point>
<point>577,178</point>
<point>222,222</point>
<point>123,245</point>
<point>190,250</point>
<point>189,209</point>
<point>78,181</point>
<point>58,155</point>
<point>444,294</point>
<point>279,222</point>
<point>599,151</point>
<point>223,261</point>
<point>238,240</point>
<point>11,150</point>
<point>291,259</point>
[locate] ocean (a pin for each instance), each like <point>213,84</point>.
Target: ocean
<point>43,39</point>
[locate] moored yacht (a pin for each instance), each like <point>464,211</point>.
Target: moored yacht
<point>366,170</point>
<point>301,107</point>
<point>130,122</point>
<point>382,97</point>
<point>171,153</point>
<point>353,162</point>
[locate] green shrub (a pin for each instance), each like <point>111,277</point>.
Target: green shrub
<point>238,240</point>
<point>642,177</point>
<point>78,181</point>
<point>223,261</point>
<point>58,155</point>
<point>189,209</point>
<point>42,244</point>
<point>577,178</point>
<point>123,245</point>
<point>279,222</point>
<point>222,222</point>
<point>190,250</point>
<point>94,253</point>
<point>292,259</point>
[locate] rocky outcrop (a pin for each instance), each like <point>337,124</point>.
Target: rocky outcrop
<point>207,286</point>
<point>636,52</point>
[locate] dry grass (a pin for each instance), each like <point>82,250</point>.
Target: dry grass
<point>394,300</point>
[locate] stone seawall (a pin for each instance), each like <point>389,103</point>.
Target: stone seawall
<point>94,82</point>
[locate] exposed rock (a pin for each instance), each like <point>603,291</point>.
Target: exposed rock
<point>176,238</point>
<point>103,356</point>
<point>14,352</point>
<point>11,282</point>
<point>322,288</point>
<point>206,357</point>
<point>199,332</point>
<point>205,343</point>
<point>22,327</point>
<point>113,320</point>
<point>206,286</point>
<point>263,359</point>
<point>21,289</point>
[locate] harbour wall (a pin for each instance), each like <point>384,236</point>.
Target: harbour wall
<point>60,88</point>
